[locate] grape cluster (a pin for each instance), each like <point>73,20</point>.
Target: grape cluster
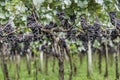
<point>88,29</point>
<point>51,25</point>
<point>97,25</point>
<point>112,17</point>
<point>64,22</point>
<point>114,34</point>
<point>28,37</point>
<point>15,45</point>
<point>83,37</point>
<point>9,31</point>
<point>92,32</point>
<point>26,41</point>
<point>62,42</point>
<point>8,28</point>
<point>15,48</point>
<point>71,35</point>
<point>61,16</point>
<point>34,26</point>
<point>116,23</point>
<point>114,20</point>
<point>84,24</point>
<point>97,29</point>
<point>20,37</point>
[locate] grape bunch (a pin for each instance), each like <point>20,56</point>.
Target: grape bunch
<point>84,24</point>
<point>82,36</point>
<point>97,25</point>
<point>64,22</point>
<point>26,41</point>
<point>114,34</point>
<point>51,25</point>
<point>15,48</point>
<point>20,37</point>
<point>97,30</point>
<point>34,26</point>
<point>114,20</point>
<point>8,28</point>
<point>116,23</point>
<point>88,29</point>
<point>92,32</point>
<point>15,44</point>
<point>9,31</point>
<point>71,35</point>
<point>61,16</point>
<point>62,42</point>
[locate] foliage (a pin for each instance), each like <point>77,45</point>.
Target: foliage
<point>33,16</point>
<point>47,9</point>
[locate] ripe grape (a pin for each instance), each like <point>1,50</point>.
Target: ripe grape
<point>84,24</point>
<point>113,34</point>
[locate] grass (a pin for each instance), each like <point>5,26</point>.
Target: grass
<point>81,70</point>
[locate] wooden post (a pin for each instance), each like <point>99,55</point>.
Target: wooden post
<point>4,64</point>
<point>116,63</point>
<point>89,57</point>
<point>106,60</point>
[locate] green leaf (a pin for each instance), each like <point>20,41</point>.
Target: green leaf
<point>55,4</point>
<point>2,16</point>
<point>96,44</point>
<point>38,3</point>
